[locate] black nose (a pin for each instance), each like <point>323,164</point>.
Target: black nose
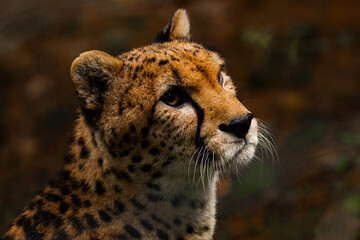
<point>238,126</point>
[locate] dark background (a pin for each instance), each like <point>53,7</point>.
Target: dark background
<point>296,65</point>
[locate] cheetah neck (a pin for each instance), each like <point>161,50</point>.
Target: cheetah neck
<point>158,198</point>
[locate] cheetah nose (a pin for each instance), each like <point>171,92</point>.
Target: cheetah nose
<point>238,126</point>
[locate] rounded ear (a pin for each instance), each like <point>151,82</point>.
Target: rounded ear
<point>177,28</point>
<point>91,73</point>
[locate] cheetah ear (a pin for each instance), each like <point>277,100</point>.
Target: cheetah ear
<point>177,28</point>
<point>91,73</point>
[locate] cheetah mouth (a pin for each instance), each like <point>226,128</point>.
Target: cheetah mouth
<point>238,152</point>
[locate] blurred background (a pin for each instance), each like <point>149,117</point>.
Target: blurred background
<point>296,65</point>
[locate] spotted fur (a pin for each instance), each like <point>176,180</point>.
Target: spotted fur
<point>140,167</point>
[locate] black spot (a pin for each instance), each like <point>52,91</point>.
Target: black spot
<point>58,222</point>
<point>76,200</point>
<point>165,164</point>
<point>177,221</point>
<point>162,235</point>
<point>154,151</point>
<point>144,144</point>
<point>156,175</point>
<point>90,220</point>
<point>121,175</point>
<point>106,172</point>
<point>132,231</point>
<point>121,108</point>
<point>81,166</point>
<point>159,220</point>
<point>153,186</point>
<point>150,60</point>
<point>84,153</point>
<point>75,184</point>
<point>137,68</point>
<point>76,224</point>
<point>189,229</point>
<point>63,207</point>
<point>64,189</point>
<point>126,138</point>
<point>124,153</point>
<point>84,186</point>
<point>120,207</point>
<point>100,162</point>
<point>100,190</point>
<point>104,216</point>
<point>144,132</point>
<point>29,230</point>
<point>117,189</point>
<point>40,202</point>
<point>176,201</point>
<point>131,168</point>
<point>87,203</point>
<point>81,141</point>
<point>134,76</point>
<point>146,167</point>
<point>136,159</point>
<point>112,153</point>
<point>68,158</point>
<point>22,221</point>
<point>137,204</point>
<point>146,224</point>
<point>132,128</point>
<point>163,62</point>
<point>180,238</point>
<point>44,217</point>
<point>154,197</point>
<point>52,197</point>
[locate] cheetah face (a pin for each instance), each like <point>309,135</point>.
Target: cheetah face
<point>170,100</point>
<point>198,111</point>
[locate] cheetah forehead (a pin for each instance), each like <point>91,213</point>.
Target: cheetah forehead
<point>181,63</point>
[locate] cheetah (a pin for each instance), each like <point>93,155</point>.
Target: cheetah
<point>155,127</point>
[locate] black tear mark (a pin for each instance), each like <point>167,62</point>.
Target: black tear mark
<point>200,119</point>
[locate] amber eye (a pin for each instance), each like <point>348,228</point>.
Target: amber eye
<point>173,97</point>
<point>221,79</point>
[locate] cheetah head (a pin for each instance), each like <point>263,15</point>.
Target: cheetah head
<point>171,104</point>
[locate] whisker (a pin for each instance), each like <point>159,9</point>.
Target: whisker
<point>267,144</point>
<point>189,165</point>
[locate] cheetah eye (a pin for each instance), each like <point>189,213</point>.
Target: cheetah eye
<point>173,97</point>
<point>221,79</point>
